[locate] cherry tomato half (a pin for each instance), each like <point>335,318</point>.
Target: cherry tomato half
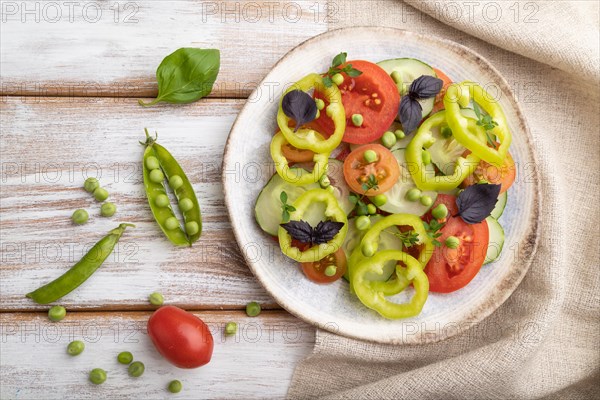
<point>504,176</point>
<point>315,271</point>
<point>357,170</point>
<point>439,99</point>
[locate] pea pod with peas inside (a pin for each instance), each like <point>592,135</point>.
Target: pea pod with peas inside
<point>158,165</point>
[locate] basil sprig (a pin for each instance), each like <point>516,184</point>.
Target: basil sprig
<point>186,75</point>
<point>303,232</point>
<point>410,112</point>
<point>300,107</point>
<point>476,202</point>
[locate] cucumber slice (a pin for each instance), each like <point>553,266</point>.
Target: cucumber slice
<point>409,69</point>
<point>500,205</point>
<point>267,209</point>
<point>496,240</point>
<point>396,196</point>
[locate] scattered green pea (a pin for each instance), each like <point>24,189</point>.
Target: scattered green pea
<point>100,194</point>
<point>397,77</point>
<point>253,309</point>
<point>80,217</point>
<point>452,242</point>
<point>362,223</point>
<point>97,376</point>
<point>426,156</point>
<point>413,194</point>
<point>171,223</point>
<point>370,156</point>
<point>440,211</point>
<point>330,270</point>
<point>75,348</point>
<point>162,200</point>
<point>368,250</point>
<point>446,132</point>
<point>191,228</point>
<point>230,328</point>
<point>372,209</point>
<point>426,201</point>
<point>156,176</point>
<point>185,204</point>
<point>136,369</point>
<point>175,386</point>
<point>152,163</point>
<point>329,110</point>
<point>357,119</point>
<point>320,104</point>
<point>324,181</point>
<point>379,200</point>
<point>318,114</point>
<point>399,134</point>
<point>338,79</point>
<point>91,184</point>
<point>57,313</point>
<point>175,182</point>
<point>388,139</point>
<point>156,299</point>
<point>125,357</point>
<point>108,209</point>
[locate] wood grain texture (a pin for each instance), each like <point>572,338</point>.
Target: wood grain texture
<point>256,363</point>
<point>103,48</point>
<point>49,146</point>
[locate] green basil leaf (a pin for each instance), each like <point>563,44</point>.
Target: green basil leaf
<point>186,75</point>
<point>339,59</point>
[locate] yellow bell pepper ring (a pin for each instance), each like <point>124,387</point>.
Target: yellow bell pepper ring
<point>333,212</point>
<point>376,300</point>
<point>296,176</point>
<point>309,139</point>
<point>458,95</point>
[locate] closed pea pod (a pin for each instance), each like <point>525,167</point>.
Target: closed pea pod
<point>158,199</point>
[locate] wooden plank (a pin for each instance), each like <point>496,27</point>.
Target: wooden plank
<point>47,148</point>
<point>257,363</point>
<point>93,49</point>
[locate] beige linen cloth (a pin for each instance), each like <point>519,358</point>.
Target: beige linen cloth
<point>544,341</point>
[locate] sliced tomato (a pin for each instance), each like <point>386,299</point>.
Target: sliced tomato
<point>296,155</point>
<point>439,99</point>
<point>504,176</point>
<point>315,271</point>
<point>373,94</point>
<point>452,269</point>
<point>448,200</point>
<point>357,170</point>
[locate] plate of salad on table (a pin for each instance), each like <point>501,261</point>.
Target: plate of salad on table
<point>381,184</point>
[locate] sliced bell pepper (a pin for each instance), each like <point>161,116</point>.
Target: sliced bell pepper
<point>459,95</point>
<point>375,299</point>
<point>423,139</point>
<point>310,139</point>
<point>333,211</point>
<point>296,176</point>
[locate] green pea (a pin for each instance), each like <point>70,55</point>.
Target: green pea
<point>156,176</point>
<point>175,386</point>
<point>329,110</point>
<point>253,309</point>
<point>330,270</point>
<point>97,376</point>
<point>108,209</point>
<point>91,184</point>
<point>185,204</point>
<point>362,223</point>
<point>338,79</point>
<point>324,181</point>
<point>446,132</point>
<point>156,299</point>
<point>136,369</point>
<point>370,156</point>
<point>426,156</point>
<point>399,134</point>
<point>440,211</point>
<point>357,119</point>
<point>368,250</point>
<point>482,182</point>
<point>371,209</point>
<point>171,223</point>
<point>125,357</point>
<point>75,348</point>
<point>318,114</point>
<point>413,194</point>
<point>152,163</point>
<point>388,139</point>
<point>100,194</point>
<point>379,200</point>
<point>175,182</point>
<point>191,228</point>
<point>426,201</point>
<point>320,104</point>
<point>57,313</point>
<point>80,217</point>
<point>452,242</point>
<point>397,77</point>
<point>162,200</point>
<point>230,328</point>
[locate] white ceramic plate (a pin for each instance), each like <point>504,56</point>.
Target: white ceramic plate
<point>247,167</point>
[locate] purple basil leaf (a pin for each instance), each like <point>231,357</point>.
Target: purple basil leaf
<point>476,202</point>
<point>300,107</point>
<point>425,87</point>
<point>299,230</point>
<point>326,231</point>
<point>410,113</point>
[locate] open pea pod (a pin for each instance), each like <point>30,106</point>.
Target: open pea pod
<point>157,158</point>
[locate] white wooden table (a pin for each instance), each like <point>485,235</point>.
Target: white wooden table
<point>71,74</point>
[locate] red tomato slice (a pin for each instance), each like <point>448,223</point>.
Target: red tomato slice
<point>439,103</point>
<point>504,176</point>
<point>315,271</point>
<point>373,95</point>
<point>295,155</point>
<point>357,170</point>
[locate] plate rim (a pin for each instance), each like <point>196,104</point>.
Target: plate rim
<point>532,237</point>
